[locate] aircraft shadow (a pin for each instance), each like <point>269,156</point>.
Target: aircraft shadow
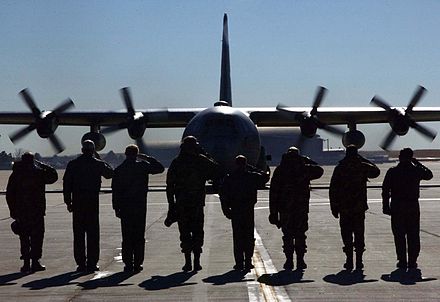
<point>164,282</point>
<point>345,277</point>
<point>109,281</point>
<point>284,277</point>
<point>6,279</point>
<point>228,277</point>
<point>404,277</point>
<point>55,281</point>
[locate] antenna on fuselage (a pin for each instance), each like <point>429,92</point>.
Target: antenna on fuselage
<point>225,78</point>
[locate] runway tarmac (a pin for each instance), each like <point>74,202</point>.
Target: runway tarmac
<point>163,280</point>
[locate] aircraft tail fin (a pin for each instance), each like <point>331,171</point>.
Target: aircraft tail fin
<point>225,79</point>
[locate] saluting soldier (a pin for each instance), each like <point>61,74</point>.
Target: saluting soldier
<point>402,184</point>
<point>26,198</point>
<point>186,180</point>
<point>238,197</point>
<point>81,185</point>
<point>348,201</point>
<point>130,187</point>
<point>289,198</point>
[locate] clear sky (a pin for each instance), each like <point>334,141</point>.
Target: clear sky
<point>168,52</point>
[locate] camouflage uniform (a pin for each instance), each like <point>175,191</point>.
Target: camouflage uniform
<point>186,180</point>
<point>402,184</point>
<point>25,195</point>
<point>289,200</point>
<point>81,185</point>
<point>130,187</point>
<point>348,198</point>
<point>238,196</point>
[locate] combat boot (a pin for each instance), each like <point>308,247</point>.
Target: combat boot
<point>187,267</point>
<point>197,266</point>
<point>248,264</point>
<point>288,265</point>
<point>348,265</point>
<point>26,268</point>
<point>359,262</point>
<point>37,267</point>
<point>300,263</point>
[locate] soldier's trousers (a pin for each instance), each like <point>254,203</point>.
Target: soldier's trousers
<point>294,227</point>
<point>31,239</point>
<point>190,222</point>
<point>406,231</point>
<point>86,228</point>
<point>133,236</point>
<point>353,225</point>
<point>243,236</point>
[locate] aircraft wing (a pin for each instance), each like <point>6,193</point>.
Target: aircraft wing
<point>271,117</point>
<point>156,118</point>
<point>262,116</point>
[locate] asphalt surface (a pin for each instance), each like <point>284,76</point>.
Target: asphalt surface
<point>163,280</point>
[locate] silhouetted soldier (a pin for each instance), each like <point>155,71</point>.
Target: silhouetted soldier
<point>186,180</point>
<point>402,184</point>
<point>81,185</point>
<point>348,199</point>
<point>25,195</point>
<point>289,197</point>
<point>130,187</point>
<point>238,196</point>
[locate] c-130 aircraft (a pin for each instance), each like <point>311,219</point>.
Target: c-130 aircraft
<point>225,131</point>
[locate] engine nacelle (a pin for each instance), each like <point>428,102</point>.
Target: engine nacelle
<point>399,124</point>
<point>46,126</point>
<point>308,127</point>
<point>136,129</point>
<point>97,138</point>
<point>353,137</point>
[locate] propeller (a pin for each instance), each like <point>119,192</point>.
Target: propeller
<point>135,122</point>
<point>309,121</point>
<point>400,122</point>
<point>45,122</point>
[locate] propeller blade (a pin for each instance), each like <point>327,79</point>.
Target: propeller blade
<point>380,103</point>
<point>320,93</point>
<point>300,142</point>
<point>63,106</point>
<point>25,94</point>
<point>420,91</point>
<point>125,92</point>
<point>56,143</point>
<point>388,140</point>
<point>16,136</point>
<point>431,134</point>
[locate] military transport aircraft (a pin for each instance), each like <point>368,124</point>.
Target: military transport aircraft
<point>223,130</point>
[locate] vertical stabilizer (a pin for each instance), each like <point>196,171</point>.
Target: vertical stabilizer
<point>225,79</point>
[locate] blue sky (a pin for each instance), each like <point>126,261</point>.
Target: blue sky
<point>168,52</point>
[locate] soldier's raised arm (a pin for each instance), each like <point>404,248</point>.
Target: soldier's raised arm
<point>155,167</point>
<point>425,172</point>
<point>50,174</point>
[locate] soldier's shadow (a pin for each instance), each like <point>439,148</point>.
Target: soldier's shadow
<point>6,279</point>
<point>404,277</point>
<point>54,281</point>
<point>228,277</point>
<point>164,282</point>
<point>345,277</point>
<point>284,277</point>
<point>109,281</point>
